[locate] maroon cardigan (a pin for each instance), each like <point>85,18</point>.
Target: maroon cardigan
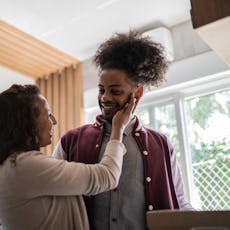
<point>83,145</point>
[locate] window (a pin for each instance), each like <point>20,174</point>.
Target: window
<point>161,117</point>
<point>208,123</point>
<point>205,118</point>
<point>196,119</point>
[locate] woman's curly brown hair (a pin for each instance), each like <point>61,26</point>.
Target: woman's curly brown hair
<point>141,58</point>
<point>18,117</point>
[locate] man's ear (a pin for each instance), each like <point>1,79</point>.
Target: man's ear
<point>139,92</point>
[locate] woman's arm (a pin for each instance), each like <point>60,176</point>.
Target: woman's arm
<point>43,175</point>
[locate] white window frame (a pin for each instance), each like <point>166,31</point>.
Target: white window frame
<point>177,95</point>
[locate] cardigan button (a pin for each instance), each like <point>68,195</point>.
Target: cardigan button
<point>148,179</point>
<point>97,145</point>
<point>150,207</point>
<point>145,153</point>
<point>137,134</point>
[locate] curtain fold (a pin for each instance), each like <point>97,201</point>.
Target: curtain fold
<point>63,91</point>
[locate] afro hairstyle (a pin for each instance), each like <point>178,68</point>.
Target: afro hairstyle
<point>143,60</point>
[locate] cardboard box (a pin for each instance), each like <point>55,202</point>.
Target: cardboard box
<point>188,220</point>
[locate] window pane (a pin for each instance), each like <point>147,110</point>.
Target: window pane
<point>166,123</point>
<point>208,120</point>
<point>161,118</point>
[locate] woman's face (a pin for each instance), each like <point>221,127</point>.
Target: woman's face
<point>45,122</point>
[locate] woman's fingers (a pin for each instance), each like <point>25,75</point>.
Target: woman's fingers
<point>123,116</point>
<point>129,106</point>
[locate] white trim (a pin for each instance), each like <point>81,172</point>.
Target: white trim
<point>185,159</point>
<point>198,86</point>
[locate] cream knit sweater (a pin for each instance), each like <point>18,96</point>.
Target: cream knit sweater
<point>43,193</point>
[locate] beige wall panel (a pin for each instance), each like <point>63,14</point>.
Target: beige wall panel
<point>63,102</point>
<point>78,95</point>
<point>56,108</point>
<point>70,98</point>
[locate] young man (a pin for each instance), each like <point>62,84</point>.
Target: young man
<point>150,178</point>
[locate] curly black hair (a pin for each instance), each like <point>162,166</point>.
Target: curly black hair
<point>18,116</point>
<point>143,60</point>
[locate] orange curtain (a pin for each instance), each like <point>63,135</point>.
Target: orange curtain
<point>63,91</point>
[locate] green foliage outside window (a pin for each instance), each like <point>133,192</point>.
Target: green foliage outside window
<point>209,131</point>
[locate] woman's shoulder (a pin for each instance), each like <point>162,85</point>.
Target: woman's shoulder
<point>27,159</point>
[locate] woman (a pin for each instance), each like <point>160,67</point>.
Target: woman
<point>38,191</point>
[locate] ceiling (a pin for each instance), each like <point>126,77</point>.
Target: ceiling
<point>77,27</point>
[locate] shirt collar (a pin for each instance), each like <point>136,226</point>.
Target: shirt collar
<point>128,129</point>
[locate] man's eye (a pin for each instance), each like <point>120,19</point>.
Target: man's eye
<point>116,92</point>
<point>101,91</point>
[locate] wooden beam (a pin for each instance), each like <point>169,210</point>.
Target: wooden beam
<point>207,11</point>
<point>29,51</point>
<point>24,60</point>
<point>19,69</point>
<point>36,44</point>
<point>211,20</point>
<point>25,54</point>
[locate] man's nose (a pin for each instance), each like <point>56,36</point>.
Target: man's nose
<point>106,97</point>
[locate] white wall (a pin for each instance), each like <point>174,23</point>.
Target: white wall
<point>9,77</point>
<point>186,41</point>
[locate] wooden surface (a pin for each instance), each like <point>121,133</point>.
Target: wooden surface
<point>63,91</point>
<point>27,55</point>
<point>185,220</point>
<point>207,11</point>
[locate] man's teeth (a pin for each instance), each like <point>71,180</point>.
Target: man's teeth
<point>107,106</point>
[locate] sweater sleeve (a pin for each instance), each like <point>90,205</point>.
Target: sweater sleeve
<point>42,175</point>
